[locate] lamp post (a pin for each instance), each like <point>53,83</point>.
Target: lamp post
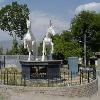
<point>85,49</point>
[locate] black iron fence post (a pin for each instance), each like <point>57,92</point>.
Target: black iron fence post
<point>80,76</point>
<point>7,77</point>
<point>24,80</point>
<point>68,77</point>
<point>48,79</point>
<point>1,76</point>
<point>71,77</point>
<point>60,78</point>
<point>21,78</point>
<point>56,79</point>
<point>94,73</point>
<point>88,76</point>
<point>52,79</point>
<point>14,78</point>
<point>4,77</point>
<point>4,61</point>
<point>64,78</point>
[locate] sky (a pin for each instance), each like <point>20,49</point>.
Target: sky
<point>61,12</point>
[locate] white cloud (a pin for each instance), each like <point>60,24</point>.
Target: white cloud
<point>93,6</point>
<point>40,23</point>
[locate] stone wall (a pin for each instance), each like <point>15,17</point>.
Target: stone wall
<point>86,90</point>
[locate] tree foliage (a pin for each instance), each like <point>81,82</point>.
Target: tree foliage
<point>17,49</point>
<point>87,22</point>
<point>13,19</point>
<point>22,50</point>
<point>82,24</point>
<point>40,47</point>
<point>65,46</point>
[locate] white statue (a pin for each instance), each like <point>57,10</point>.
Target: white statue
<point>29,39</point>
<point>48,41</point>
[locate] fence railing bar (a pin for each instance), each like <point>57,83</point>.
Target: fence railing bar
<point>43,79</point>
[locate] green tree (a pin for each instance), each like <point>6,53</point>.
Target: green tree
<point>87,22</point>
<point>95,40</point>
<point>15,49</point>
<point>65,46</point>
<point>8,52</point>
<point>40,47</point>
<point>22,51</point>
<point>13,19</point>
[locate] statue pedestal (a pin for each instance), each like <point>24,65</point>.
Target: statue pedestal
<point>52,67</point>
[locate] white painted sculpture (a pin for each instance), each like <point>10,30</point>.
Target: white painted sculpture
<point>48,41</point>
<point>29,40</point>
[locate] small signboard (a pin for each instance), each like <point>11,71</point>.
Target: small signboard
<point>73,65</point>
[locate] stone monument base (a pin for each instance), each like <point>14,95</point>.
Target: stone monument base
<point>51,68</point>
